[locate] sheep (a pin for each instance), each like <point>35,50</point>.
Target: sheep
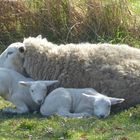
<point>113,70</point>
<point>13,57</point>
<point>73,102</point>
<point>25,93</point>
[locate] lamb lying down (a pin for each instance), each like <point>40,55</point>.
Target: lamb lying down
<point>25,93</point>
<point>85,102</point>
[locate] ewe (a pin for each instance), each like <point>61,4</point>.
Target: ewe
<point>70,102</point>
<point>25,93</point>
<point>113,70</point>
<point>13,57</point>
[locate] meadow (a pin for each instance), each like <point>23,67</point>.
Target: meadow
<point>118,126</point>
<point>65,21</point>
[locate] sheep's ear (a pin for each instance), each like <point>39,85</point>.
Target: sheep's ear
<point>50,82</point>
<point>27,84</point>
<point>21,49</point>
<point>39,36</point>
<point>24,39</point>
<point>116,100</point>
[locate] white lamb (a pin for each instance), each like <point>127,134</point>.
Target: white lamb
<point>72,102</point>
<point>25,93</point>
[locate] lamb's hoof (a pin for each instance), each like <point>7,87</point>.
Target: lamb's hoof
<point>35,112</point>
<point>8,111</point>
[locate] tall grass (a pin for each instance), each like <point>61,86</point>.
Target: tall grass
<point>66,21</point>
<point>10,20</point>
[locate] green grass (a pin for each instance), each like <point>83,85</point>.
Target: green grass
<point>120,126</point>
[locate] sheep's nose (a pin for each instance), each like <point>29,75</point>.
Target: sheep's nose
<point>102,116</point>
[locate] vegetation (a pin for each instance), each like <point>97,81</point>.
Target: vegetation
<point>64,21</point>
<point>120,126</point>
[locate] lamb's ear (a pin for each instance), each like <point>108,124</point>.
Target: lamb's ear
<point>88,95</point>
<point>116,100</point>
<point>23,83</point>
<point>50,82</point>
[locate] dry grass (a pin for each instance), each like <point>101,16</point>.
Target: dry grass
<point>11,13</point>
<point>66,21</point>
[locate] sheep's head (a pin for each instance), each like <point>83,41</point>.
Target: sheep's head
<point>102,104</point>
<point>13,57</point>
<point>38,89</point>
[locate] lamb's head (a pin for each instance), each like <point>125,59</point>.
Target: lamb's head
<point>102,104</point>
<point>38,89</point>
<point>13,57</point>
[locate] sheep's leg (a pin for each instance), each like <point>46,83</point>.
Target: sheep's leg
<point>66,113</point>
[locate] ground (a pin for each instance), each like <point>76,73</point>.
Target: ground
<point>118,126</point>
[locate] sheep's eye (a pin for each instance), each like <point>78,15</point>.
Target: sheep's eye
<point>32,90</point>
<point>9,53</point>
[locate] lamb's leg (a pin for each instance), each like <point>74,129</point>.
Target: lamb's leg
<point>21,108</point>
<point>14,111</point>
<point>66,113</point>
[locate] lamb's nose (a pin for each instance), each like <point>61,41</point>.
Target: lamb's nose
<point>39,101</point>
<point>102,116</point>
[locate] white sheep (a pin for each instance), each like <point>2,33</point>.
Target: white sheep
<point>25,93</point>
<point>113,70</point>
<point>72,102</point>
<point>13,57</point>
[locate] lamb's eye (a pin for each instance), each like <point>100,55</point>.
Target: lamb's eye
<point>32,90</point>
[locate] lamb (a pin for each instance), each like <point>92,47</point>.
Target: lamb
<point>13,57</point>
<point>72,102</point>
<point>25,93</point>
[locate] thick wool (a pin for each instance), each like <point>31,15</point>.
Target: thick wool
<point>113,70</point>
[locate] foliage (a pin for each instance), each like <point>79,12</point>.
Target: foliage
<point>64,21</point>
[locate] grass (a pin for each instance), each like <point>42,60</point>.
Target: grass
<point>115,21</point>
<point>121,126</point>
